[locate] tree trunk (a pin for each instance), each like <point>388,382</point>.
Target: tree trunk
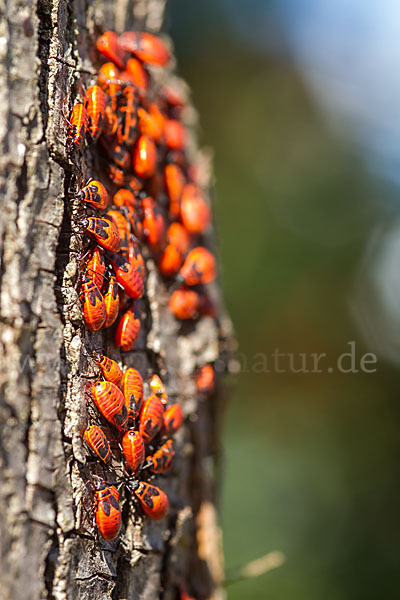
<point>48,542</point>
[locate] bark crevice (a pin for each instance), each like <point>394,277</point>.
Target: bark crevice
<point>43,12</point>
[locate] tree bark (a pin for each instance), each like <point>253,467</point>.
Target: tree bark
<point>49,546</point>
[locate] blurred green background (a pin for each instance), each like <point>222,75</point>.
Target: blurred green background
<point>311,459</point>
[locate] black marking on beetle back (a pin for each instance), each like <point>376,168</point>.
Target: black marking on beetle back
<point>106,506</point>
<point>100,228</point>
<point>148,495</point>
<point>114,503</point>
<point>171,424</point>
<point>94,194</point>
<point>148,427</point>
<point>94,295</point>
<point>103,451</point>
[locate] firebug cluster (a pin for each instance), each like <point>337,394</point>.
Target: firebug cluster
<point>149,203</point>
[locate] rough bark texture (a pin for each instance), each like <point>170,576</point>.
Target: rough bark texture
<point>48,545</point>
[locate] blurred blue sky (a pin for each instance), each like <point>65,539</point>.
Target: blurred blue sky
<point>349,53</point>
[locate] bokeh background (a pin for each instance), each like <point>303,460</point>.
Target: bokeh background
<point>300,101</point>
